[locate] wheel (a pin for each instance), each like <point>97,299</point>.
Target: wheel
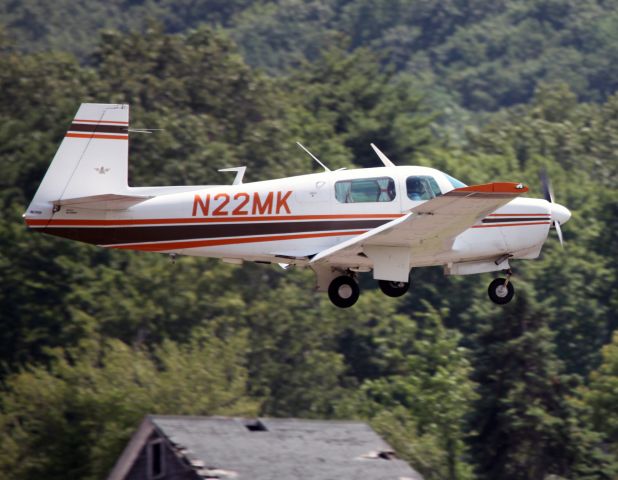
<point>499,293</point>
<point>343,291</point>
<point>393,289</point>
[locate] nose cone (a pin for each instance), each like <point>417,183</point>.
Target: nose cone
<point>559,213</point>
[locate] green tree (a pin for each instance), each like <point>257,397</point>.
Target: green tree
<point>55,292</point>
<point>420,405</point>
<point>72,420</point>
<point>572,142</point>
<point>524,425</point>
<point>602,395</point>
<point>214,110</point>
<point>357,103</point>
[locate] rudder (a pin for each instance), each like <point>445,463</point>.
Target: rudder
<point>91,160</point>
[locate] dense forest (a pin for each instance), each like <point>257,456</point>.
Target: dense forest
<point>91,340</point>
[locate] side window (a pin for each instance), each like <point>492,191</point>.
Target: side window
<point>422,188</point>
<point>363,190</point>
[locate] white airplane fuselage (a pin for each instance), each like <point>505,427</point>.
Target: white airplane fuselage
<point>289,219</point>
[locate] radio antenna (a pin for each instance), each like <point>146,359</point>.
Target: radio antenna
<point>326,169</point>
<point>384,158</point>
<point>240,173</point>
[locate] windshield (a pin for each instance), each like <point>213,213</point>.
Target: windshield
<point>456,183</point>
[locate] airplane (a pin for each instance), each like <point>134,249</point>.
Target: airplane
<point>386,220</point>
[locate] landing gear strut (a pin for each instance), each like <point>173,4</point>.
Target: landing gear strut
<point>343,291</point>
<point>393,289</point>
<point>501,290</point>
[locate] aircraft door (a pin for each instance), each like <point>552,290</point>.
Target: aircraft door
<point>314,192</point>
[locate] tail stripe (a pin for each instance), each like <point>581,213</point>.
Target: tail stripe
<point>84,127</point>
<point>92,135</point>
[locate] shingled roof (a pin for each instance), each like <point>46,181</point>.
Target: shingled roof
<point>267,449</point>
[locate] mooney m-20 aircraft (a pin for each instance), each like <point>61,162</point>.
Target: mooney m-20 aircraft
<point>388,220</point>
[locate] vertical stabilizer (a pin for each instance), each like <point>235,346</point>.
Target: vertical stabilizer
<point>91,160</point>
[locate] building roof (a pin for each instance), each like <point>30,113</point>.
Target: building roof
<point>268,448</point>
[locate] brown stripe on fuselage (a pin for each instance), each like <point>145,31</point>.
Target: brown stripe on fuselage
<point>515,224</point>
<point>81,127</point>
<point>127,235</point>
<point>160,247</point>
<point>70,222</point>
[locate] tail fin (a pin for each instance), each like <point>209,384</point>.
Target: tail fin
<point>91,160</point>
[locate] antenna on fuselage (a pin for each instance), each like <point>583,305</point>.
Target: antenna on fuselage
<point>240,173</point>
<point>384,158</point>
<point>326,169</point>
<point>144,130</point>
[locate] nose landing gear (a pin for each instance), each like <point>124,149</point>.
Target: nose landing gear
<point>501,290</point>
<point>343,291</point>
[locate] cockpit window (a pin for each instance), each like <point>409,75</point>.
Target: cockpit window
<point>422,188</point>
<point>360,190</point>
<point>456,183</point>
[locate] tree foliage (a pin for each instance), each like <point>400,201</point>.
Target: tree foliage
<point>72,419</point>
<point>602,395</point>
<point>92,339</point>
<point>483,54</point>
<point>524,426</point>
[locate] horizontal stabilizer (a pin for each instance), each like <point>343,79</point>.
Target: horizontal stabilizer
<point>108,201</point>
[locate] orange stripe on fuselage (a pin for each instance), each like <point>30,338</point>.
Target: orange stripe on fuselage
<point>91,135</point>
<point>153,247</point>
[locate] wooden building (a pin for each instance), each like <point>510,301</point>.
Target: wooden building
<point>196,448</point>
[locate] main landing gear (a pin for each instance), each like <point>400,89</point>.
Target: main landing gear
<point>501,290</point>
<point>343,291</point>
<point>393,289</point>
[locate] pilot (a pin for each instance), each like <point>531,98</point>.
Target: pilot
<point>416,189</point>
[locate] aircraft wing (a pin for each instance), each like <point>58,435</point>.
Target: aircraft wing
<point>428,228</point>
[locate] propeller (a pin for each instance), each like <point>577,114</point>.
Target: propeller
<point>557,210</point>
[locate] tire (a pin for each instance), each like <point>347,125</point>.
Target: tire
<point>393,289</point>
<point>498,293</point>
<point>343,291</point>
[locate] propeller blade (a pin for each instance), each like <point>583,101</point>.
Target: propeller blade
<point>559,232</point>
<point>548,191</point>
